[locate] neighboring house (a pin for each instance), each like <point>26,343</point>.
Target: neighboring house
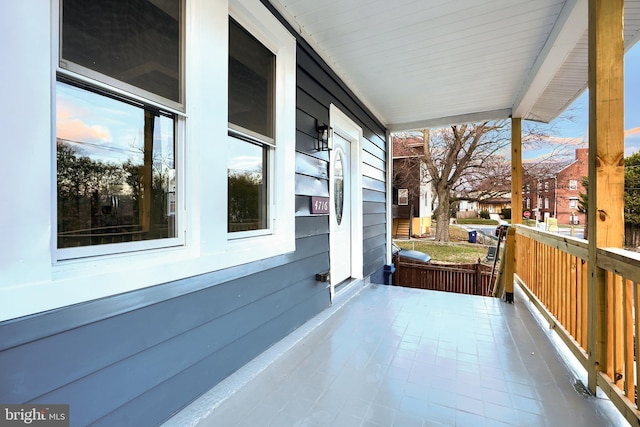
<point>495,204</point>
<point>412,189</point>
<point>475,204</point>
<point>557,196</point>
<point>491,194</point>
<point>467,208</point>
<point>169,215</point>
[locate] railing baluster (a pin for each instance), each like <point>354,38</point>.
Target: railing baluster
<point>636,344</point>
<point>629,380</point>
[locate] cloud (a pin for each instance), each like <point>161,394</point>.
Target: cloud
<point>632,131</point>
<point>246,163</point>
<point>74,129</point>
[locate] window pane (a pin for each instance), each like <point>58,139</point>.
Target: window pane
<point>116,178</point>
<point>251,82</point>
<point>247,186</point>
<point>134,41</point>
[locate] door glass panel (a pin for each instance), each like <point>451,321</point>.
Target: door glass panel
<point>338,186</point>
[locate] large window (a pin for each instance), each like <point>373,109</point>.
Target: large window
<point>251,130</point>
<point>116,141</point>
<point>134,45</point>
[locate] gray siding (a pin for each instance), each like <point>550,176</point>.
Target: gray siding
<point>318,88</point>
<point>136,358</point>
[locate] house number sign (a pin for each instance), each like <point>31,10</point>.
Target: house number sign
<point>319,205</point>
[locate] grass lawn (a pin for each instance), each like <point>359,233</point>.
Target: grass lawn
<point>447,252</point>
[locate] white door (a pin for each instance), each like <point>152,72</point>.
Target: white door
<point>340,211</point>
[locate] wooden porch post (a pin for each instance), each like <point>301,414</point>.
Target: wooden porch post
<point>606,164</point>
<point>516,170</point>
<point>516,204</point>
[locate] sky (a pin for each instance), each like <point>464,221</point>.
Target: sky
<point>576,132</point>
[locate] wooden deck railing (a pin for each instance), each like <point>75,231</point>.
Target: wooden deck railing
<point>472,279</point>
<point>553,271</point>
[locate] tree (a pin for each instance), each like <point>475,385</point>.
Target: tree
<point>632,190</point>
<point>631,200</point>
<point>455,156</point>
<point>459,158</point>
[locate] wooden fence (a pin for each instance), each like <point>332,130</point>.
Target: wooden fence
<point>472,279</point>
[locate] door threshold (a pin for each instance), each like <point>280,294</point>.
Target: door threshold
<point>346,289</point>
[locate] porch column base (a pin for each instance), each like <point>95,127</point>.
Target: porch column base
<point>508,297</point>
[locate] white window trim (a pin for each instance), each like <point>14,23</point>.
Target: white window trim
<point>279,237</point>
<point>110,250</point>
<point>34,281</point>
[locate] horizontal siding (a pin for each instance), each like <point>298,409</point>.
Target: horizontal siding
<point>44,364</point>
<point>374,230</point>
<point>317,89</point>
<point>374,242</point>
<point>374,219</point>
<point>310,63</point>
<point>312,166</point>
<point>371,208</point>
<point>373,196</point>
<point>148,369</point>
<point>373,161</point>
<point>136,358</point>
<point>371,172</point>
<point>310,186</point>
<point>374,260</point>
<point>373,184</point>
<point>210,370</point>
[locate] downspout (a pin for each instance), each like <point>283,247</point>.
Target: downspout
<point>555,199</point>
<point>389,194</point>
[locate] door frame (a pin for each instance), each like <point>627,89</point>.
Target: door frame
<point>350,131</point>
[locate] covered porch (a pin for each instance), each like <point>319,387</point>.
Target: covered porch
<point>457,62</point>
<point>407,357</point>
<point>393,356</point>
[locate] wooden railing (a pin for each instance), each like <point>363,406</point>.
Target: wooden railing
<point>554,271</point>
<point>472,279</point>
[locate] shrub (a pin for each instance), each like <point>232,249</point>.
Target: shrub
<point>484,214</point>
<point>506,213</point>
<point>476,221</point>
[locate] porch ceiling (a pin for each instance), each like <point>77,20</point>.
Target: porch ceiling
<point>427,63</point>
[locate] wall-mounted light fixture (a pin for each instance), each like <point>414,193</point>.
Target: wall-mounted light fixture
<point>324,137</point>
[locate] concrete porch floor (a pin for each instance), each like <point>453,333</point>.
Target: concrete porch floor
<point>392,356</point>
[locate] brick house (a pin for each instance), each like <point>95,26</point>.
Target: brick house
<point>557,196</point>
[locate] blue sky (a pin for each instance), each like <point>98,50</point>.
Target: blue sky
<point>576,130</point>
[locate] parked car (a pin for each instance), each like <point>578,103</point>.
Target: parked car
<point>501,230</point>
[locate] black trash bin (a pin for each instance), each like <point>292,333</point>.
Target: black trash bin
<point>473,234</point>
<point>387,272</point>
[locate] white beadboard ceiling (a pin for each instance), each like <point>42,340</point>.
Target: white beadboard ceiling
<point>428,63</point>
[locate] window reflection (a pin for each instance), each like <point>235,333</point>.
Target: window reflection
<point>133,41</point>
<point>116,178</point>
<point>247,186</point>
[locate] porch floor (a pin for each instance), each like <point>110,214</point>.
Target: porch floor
<point>394,356</point>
